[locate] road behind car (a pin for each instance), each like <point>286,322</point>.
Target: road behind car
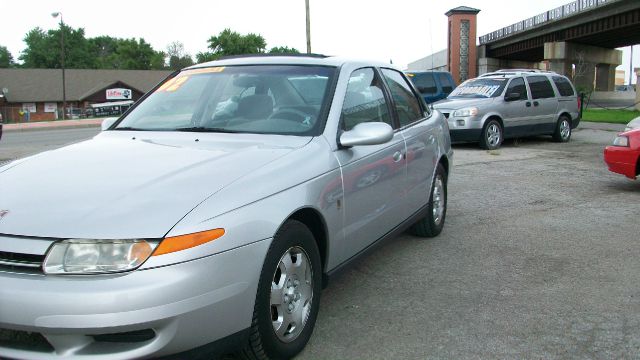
<point>538,260</point>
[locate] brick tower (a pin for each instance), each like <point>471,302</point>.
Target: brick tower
<point>462,50</point>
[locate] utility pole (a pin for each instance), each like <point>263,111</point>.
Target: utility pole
<point>631,67</point>
<point>306,2</point>
<point>64,87</point>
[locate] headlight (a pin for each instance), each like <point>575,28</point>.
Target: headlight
<point>466,112</point>
<point>80,256</point>
<point>621,141</point>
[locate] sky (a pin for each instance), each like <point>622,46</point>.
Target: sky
<point>401,31</point>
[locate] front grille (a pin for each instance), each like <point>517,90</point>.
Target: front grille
<point>24,340</point>
<point>21,262</point>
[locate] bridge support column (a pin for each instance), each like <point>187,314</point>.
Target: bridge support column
<point>583,59</point>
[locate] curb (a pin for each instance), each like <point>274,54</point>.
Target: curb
<point>48,125</point>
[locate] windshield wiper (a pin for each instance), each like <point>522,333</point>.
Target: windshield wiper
<point>206,129</point>
<point>130,128</point>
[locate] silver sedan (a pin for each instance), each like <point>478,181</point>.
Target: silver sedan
<point>208,217</point>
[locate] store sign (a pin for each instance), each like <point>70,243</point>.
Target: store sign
<point>30,107</point>
<point>561,12</point>
<point>119,94</point>
<point>50,107</point>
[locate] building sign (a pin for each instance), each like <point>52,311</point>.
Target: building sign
<point>561,12</point>
<point>50,107</point>
<point>118,94</point>
<point>30,107</point>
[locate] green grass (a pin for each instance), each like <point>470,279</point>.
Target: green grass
<point>609,116</point>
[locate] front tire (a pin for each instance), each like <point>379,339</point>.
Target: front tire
<point>432,224</point>
<point>563,130</point>
<point>492,135</point>
<point>288,296</point>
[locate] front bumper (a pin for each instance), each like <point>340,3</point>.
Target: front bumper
<point>621,160</point>
<point>186,305</point>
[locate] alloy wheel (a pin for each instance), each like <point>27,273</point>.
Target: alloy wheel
<point>291,294</point>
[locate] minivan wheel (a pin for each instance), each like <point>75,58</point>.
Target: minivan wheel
<point>288,295</point>
<point>432,224</point>
<point>492,137</point>
<point>563,130</point>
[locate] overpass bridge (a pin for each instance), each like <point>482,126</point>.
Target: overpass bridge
<point>577,39</point>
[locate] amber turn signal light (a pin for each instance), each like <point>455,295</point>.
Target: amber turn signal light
<point>183,242</point>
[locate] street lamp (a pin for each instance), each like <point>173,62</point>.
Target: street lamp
<point>64,88</point>
<point>306,3</point>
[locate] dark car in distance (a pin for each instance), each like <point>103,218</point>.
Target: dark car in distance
<point>433,85</point>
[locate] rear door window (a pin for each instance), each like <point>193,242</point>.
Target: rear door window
<point>445,82</point>
<point>563,85</point>
<point>406,103</point>
<point>540,87</point>
<point>424,82</point>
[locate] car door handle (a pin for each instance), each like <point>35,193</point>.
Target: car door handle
<point>535,103</point>
<point>528,104</point>
<point>397,156</point>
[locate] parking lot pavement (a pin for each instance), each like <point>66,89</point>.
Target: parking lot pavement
<point>538,260</point>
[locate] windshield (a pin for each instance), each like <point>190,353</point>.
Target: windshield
<point>264,99</point>
<point>479,88</point>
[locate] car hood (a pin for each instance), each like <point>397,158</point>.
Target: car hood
<point>455,104</point>
<point>127,184</point>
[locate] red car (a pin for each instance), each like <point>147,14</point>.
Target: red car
<point>623,156</point>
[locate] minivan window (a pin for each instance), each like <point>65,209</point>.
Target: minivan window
<point>517,86</point>
<point>364,100</point>
<point>540,87</point>
<point>407,104</point>
<point>479,88</point>
<point>445,82</point>
<point>425,82</point>
<point>563,85</point>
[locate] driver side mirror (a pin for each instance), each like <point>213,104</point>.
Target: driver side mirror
<point>367,133</point>
<point>512,96</point>
<point>107,122</point>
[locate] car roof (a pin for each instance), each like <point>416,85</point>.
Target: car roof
<point>302,59</point>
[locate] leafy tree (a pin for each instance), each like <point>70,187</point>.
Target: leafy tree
<point>229,43</point>
<point>6,60</point>
<point>283,50</point>
<point>104,51</point>
<point>138,55</point>
<point>43,49</point>
<point>177,58</point>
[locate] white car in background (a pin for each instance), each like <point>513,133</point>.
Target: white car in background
<point>633,124</point>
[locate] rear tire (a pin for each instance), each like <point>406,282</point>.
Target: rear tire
<point>563,130</point>
<point>288,296</point>
<point>432,224</point>
<point>492,135</point>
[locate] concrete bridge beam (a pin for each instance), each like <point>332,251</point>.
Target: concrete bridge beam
<point>591,67</point>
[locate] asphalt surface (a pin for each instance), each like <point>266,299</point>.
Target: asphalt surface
<point>538,260</point>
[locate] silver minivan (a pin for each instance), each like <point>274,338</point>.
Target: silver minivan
<point>511,103</point>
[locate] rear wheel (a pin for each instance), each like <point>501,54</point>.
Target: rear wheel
<point>288,295</point>
<point>432,224</point>
<point>492,135</point>
<point>563,129</point>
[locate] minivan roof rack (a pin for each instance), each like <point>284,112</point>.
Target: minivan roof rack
<point>511,72</point>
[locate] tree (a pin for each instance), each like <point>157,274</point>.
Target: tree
<point>283,50</point>
<point>229,43</point>
<point>138,55</point>
<point>177,58</point>
<point>6,60</point>
<point>43,49</point>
